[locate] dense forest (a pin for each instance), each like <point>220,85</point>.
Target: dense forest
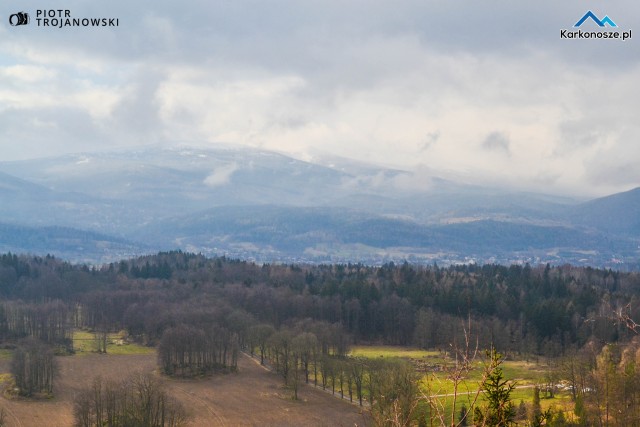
<point>533,310</point>
<point>202,312</point>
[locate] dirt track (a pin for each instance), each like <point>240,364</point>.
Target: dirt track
<point>251,397</point>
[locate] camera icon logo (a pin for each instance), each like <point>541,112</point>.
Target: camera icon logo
<point>20,18</point>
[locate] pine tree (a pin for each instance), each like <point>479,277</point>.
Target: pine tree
<point>536,409</point>
<point>500,410</point>
<point>463,416</point>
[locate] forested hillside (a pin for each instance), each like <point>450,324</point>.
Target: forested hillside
<point>201,313</point>
<point>534,310</point>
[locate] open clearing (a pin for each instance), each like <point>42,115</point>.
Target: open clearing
<point>253,396</point>
<point>523,373</point>
<point>437,383</point>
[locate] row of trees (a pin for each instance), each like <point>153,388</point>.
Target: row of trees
<point>390,387</point>
<point>48,322</point>
<point>316,352</point>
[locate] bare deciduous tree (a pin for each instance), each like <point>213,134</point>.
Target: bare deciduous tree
<point>33,367</point>
<point>140,400</point>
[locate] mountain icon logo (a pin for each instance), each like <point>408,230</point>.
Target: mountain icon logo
<point>601,22</point>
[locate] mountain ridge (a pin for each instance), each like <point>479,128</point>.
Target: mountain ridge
<point>284,208</point>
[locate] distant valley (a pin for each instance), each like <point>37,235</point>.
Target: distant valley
<point>267,207</point>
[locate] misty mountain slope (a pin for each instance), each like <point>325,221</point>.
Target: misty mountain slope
<point>166,182</point>
<point>294,232</point>
<point>68,243</point>
<point>618,213</point>
<point>27,203</point>
<point>130,189</point>
<point>265,205</point>
<point>196,178</point>
<point>285,229</point>
<point>11,186</point>
<point>456,206</point>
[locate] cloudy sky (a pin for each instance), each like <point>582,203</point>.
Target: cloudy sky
<point>478,91</point>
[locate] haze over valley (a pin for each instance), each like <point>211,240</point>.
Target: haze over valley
<point>268,207</point>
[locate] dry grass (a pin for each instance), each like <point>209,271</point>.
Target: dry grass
<point>253,396</point>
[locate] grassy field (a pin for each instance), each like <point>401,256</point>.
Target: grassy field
<point>436,381</point>
<point>84,342</point>
<point>524,373</point>
<point>372,352</point>
<point>517,370</point>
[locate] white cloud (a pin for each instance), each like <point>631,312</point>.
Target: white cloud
<point>221,175</point>
<point>404,84</point>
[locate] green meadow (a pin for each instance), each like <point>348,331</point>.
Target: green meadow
<point>435,367</point>
<point>84,342</point>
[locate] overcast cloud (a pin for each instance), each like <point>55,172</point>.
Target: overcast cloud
<point>483,91</point>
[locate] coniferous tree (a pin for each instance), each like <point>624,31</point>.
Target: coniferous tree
<point>463,416</point>
<point>499,410</point>
<point>536,409</point>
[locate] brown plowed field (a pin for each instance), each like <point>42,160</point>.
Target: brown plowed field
<point>253,396</point>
